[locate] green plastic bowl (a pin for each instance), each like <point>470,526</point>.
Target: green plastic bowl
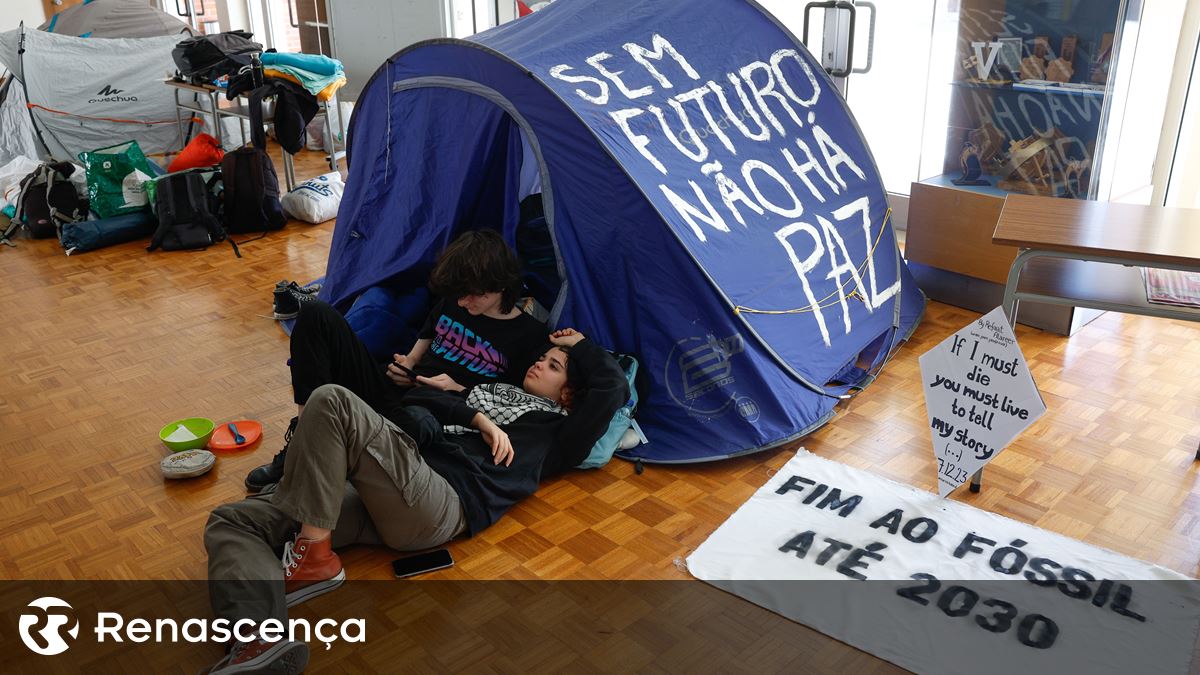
<point>200,427</point>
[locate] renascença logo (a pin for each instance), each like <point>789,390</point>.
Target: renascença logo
<point>41,631</point>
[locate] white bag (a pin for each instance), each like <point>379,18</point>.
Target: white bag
<point>11,175</point>
<point>315,200</point>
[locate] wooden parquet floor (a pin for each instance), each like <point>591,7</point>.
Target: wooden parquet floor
<point>101,349</point>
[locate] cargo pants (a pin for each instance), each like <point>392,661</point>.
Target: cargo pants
<point>348,469</point>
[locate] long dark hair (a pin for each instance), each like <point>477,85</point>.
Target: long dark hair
<point>576,381</point>
<point>478,262</point>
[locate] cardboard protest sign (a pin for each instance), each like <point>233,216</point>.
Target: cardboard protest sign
<point>979,396</point>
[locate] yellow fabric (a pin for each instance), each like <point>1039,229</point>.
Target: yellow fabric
<point>324,95</point>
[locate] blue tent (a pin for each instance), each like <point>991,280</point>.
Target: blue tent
<point>713,207</point>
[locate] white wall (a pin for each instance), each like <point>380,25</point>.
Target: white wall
<point>16,11</point>
<point>1180,167</point>
<point>367,32</point>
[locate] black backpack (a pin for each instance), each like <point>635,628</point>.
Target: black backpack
<point>207,57</point>
<point>188,212</point>
<point>48,200</point>
<point>251,192</point>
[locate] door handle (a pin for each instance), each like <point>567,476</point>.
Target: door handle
<point>836,4</point>
<point>870,36</point>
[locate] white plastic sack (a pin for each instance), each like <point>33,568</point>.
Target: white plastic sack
<point>315,200</point>
<point>11,175</point>
<point>316,128</point>
<point>79,180</point>
<point>315,135</point>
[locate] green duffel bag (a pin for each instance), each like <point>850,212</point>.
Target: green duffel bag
<point>115,177</point>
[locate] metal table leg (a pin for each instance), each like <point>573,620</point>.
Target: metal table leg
<point>1010,304</point>
<point>328,140</point>
<point>214,101</point>
<point>289,170</point>
<point>179,118</point>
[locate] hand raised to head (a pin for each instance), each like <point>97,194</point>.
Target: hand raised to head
<point>566,337</point>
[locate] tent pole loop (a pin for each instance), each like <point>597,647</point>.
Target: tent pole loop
<point>25,89</point>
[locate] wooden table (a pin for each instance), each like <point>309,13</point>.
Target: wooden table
<point>1090,254</point>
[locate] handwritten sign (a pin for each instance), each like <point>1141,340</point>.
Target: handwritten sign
<point>752,157</point>
<point>979,396</point>
<point>940,587</point>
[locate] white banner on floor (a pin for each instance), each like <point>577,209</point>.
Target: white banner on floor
<point>979,396</point>
<point>954,589</point>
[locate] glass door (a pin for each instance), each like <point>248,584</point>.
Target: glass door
<point>297,26</point>
<point>202,15</point>
<point>889,93</point>
<point>467,17</point>
<point>888,58</point>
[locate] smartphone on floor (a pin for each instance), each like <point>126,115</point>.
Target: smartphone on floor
<point>422,563</point>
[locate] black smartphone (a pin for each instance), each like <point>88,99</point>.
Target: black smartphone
<point>422,563</point>
<point>405,369</point>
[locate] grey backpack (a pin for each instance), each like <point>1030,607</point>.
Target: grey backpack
<point>47,202</point>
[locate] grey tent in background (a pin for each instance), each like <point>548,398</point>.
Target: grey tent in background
<point>114,19</point>
<point>88,93</point>
<point>16,131</point>
<point>93,77</point>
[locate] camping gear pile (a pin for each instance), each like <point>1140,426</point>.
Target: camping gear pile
<point>714,211</point>
<point>207,193</point>
<point>131,198</point>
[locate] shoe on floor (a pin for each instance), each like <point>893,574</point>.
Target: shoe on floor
<point>310,568</point>
<point>288,296</point>
<point>272,472</point>
<point>284,657</point>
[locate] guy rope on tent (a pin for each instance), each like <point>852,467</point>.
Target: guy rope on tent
<point>820,304</point>
<point>115,120</point>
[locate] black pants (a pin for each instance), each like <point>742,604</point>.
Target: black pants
<point>325,350</point>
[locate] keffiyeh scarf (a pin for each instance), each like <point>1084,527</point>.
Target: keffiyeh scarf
<point>503,404</point>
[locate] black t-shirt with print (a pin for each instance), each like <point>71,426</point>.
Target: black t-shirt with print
<point>479,349</point>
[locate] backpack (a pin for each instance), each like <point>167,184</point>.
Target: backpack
<point>48,200</point>
<point>613,439</point>
<point>188,212</point>
<point>207,57</point>
<point>251,192</point>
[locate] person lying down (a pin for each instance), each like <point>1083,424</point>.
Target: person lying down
<point>449,466</point>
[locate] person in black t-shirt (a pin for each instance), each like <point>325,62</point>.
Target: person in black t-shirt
<point>474,335</point>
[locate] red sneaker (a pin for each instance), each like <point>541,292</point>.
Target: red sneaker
<point>310,568</point>
<point>283,657</point>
